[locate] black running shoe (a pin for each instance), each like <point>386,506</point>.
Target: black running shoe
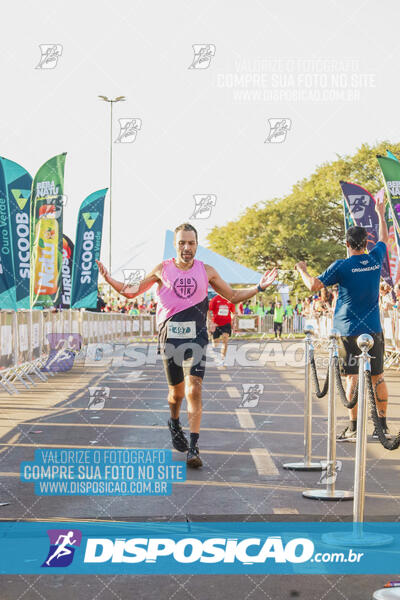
<point>385,431</point>
<point>193,458</point>
<point>179,440</point>
<point>347,435</point>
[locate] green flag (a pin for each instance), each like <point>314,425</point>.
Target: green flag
<point>87,250</point>
<point>46,232</point>
<point>391,175</point>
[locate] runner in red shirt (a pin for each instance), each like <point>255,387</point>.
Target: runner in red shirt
<point>221,319</point>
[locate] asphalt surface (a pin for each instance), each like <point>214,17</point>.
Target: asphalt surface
<point>243,451</point>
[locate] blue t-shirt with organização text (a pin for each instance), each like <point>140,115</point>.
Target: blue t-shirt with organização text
<point>357,306</point>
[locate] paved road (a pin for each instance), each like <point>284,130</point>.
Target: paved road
<point>243,450</point>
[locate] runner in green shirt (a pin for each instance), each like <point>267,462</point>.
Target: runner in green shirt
<point>268,309</point>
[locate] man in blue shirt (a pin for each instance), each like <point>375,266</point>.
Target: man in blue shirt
<point>357,311</point>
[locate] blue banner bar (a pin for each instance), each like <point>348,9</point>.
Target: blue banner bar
<point>201,548</point>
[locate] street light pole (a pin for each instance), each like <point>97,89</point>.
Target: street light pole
<point>111,146</point>
<point>111,101</point>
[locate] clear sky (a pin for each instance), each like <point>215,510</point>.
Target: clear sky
<point>330,67</point>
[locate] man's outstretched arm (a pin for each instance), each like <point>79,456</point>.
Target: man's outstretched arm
<point>313,283</point>
<point>380,211</point>
<point>224,289</point>
<point>131,291</point>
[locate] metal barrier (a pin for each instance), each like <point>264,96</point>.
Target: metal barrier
<point>248,323</point>
<point>291,325</point>
<point>24,338</point>
<point>265,324</point>
<point>20,349</point>
<point>391,330</point>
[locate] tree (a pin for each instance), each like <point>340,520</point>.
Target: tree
<point>307,224</point>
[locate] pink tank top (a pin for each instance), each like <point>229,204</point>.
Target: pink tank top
<point>180,289</point>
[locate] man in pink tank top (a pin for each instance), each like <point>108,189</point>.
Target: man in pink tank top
<point>182,288</point>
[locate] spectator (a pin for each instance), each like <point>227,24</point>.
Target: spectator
<point>397,294</point>
<point>142,306</point>
<point>315,305</point>
<point>247,309</point>
<point>279,315</point>
<point>289,310</point>
<point>100,306</point>
<point>335,293</point>
<point>135,309</point>
<point>268,308</point>
<point>307,307</point>
<point>322,304</point>
<point>386,298</point>
<point>260,309</point>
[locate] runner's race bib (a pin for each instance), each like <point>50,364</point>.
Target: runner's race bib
<point>181,329</point>
<point>223,311</point>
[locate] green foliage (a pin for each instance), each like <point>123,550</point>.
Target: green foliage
<point>307,224</point>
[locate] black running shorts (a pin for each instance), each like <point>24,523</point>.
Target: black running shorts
<point>182,343</point>
<point>220,329</point>
<point>348,351</point>
<point>188,358</point>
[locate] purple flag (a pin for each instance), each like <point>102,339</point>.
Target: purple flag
<point>361,205</point>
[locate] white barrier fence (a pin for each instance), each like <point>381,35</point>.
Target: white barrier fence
<point>24,335</point>
<point>391,330</point>
<point>265,324</point>
<point>25,338</point>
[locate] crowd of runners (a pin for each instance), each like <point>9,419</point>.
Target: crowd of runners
<point>186,319</point>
